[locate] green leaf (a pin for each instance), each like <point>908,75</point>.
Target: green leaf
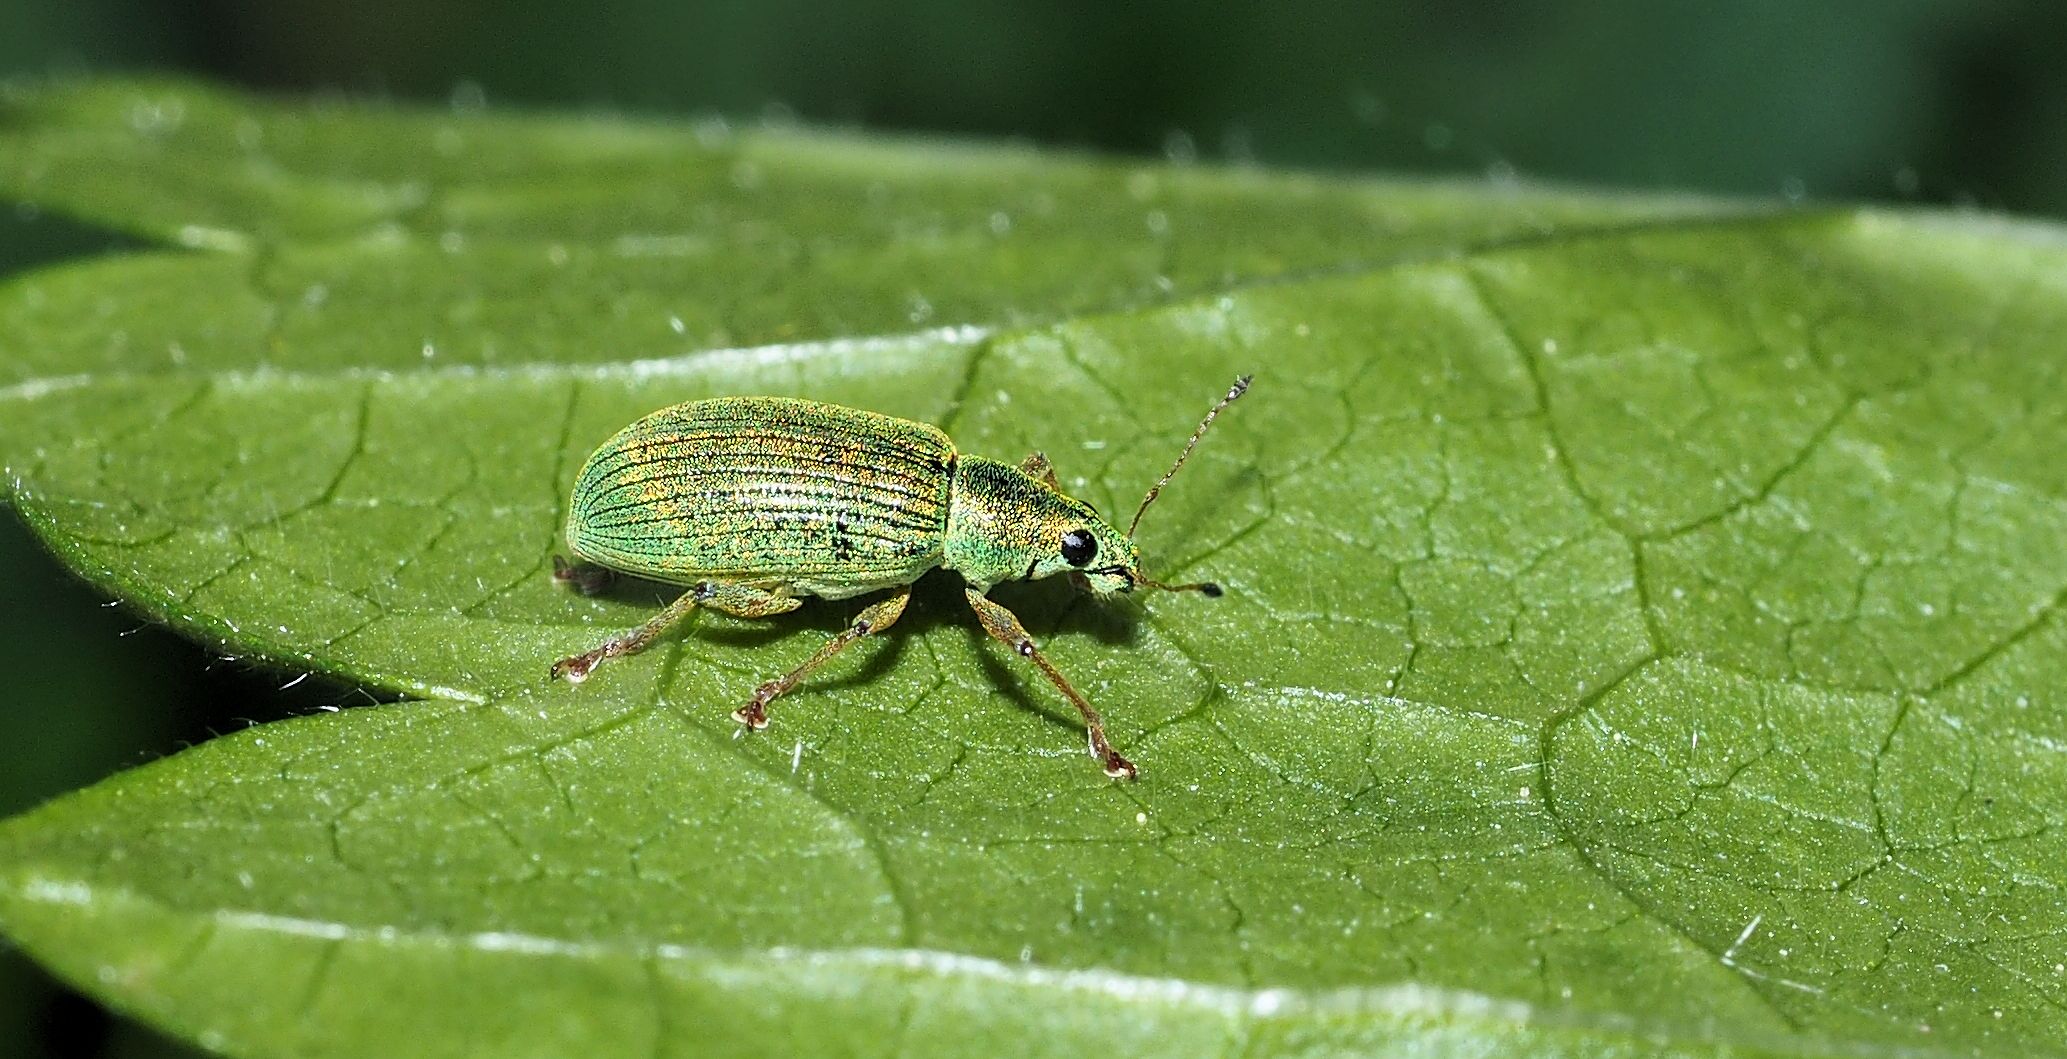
<point>1642,632</point>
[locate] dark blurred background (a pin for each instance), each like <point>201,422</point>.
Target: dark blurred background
<point>1958,102</point>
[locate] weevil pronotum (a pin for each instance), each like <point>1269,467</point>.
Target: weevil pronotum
<point>755,501</point>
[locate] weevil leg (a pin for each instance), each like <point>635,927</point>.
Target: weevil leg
<point>744,601</point>
<point>1036,466</point>
<point>1004,626</point>
<point>748,601</point>
<point>873,619</point>
<point>585,578</point>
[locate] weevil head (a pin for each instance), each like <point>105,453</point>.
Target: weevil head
<point>1097,557</point>
<point>1007,525</point>
<point>1013,523</point>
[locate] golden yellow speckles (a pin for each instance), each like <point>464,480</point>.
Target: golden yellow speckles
<point>852,500</point>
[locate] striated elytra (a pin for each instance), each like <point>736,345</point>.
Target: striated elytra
<point>753,502</point>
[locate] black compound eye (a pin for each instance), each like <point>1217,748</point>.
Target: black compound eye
<point>1079,548</point>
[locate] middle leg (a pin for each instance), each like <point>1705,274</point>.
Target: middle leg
<point>873,619</point>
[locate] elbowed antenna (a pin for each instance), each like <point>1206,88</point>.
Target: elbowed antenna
<point>1210,588</point>
<point>1240,387</point>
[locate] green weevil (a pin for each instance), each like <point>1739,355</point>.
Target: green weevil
<point>753,502</point>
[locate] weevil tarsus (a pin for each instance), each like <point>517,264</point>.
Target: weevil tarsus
<point>873,619</point>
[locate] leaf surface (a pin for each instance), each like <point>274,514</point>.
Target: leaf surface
<point>1642,631</point>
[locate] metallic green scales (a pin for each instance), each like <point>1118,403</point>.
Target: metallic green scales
<point>831,501</point>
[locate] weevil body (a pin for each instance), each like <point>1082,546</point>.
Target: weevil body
<point>755,502</point>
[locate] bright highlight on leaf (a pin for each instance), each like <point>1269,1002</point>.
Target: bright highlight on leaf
<point>1642,629</point>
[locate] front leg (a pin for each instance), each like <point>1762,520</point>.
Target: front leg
<point>743,601</point>
<point>1037,467</point>
<point>1004,626</point>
